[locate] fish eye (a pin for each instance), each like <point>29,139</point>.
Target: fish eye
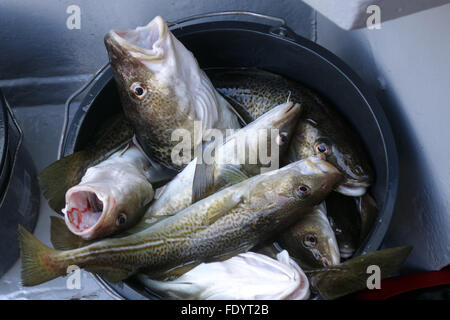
<point>139,90</point>
<point>121,219</point>
<point>310,241</point>
<point>303,191</point>
<point>322,148</point>
<point>282,138</point>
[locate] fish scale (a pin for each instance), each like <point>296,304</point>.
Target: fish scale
<point>228,222</point>
<point>253,92</point>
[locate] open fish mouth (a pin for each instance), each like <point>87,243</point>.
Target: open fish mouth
<point>346,252</point>
<point>85,210</point>
<point>353,188</point>
<point>145,43</point>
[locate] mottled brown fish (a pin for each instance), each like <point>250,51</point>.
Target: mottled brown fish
<point>320,131</point>
<point>162,88</point>
<point>311,240</point>
<point>230,168</point>
<point>62,174</point>
<point>230,221</point>
<point>112,196</point>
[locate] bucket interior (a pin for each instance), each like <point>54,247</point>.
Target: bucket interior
<point>242,44</point>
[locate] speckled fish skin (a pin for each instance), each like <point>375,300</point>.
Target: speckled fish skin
<point>177,195</point>
<point>311,240</point>
<point>162,89</point>
<point>258,91</point>
<point>230,221</point>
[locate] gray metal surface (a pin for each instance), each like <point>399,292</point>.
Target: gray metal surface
<point>353,14</point>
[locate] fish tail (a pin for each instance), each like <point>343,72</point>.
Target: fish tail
<point>37,264</point>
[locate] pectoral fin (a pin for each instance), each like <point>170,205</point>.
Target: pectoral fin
<point>352,276</point>
<point>232,174</point>
<point>203,182</point>
<point>62,238</point>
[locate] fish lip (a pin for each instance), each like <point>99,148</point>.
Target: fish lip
<point>292,106</point>
<point>143,49</point>
<point>353,188</point>
<point>346,252</point>
<point>89,232</point>
<point>319,165</point>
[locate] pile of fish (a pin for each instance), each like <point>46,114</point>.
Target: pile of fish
<point>265,197</point>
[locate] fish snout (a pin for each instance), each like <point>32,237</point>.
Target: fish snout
<point>318,165</point>
<point>86,208</point>
<point>353,188</point>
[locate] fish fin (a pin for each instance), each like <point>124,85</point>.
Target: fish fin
<point>33,255</point>
<point>233,175</point>
<point>203,182</point>
<point>57,178</point>
<point>214,215</point>
<point>352,276</point>
<point>62,238</point>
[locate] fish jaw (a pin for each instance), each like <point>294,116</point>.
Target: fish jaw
<point>331,254</point>
<point>111,196</point>
<point>346,252</point>
<point>284,118</point>
<point>334,256</point>
<point>86,210</point>
<point>176,92</point>
<point>325,251</point>
<point>353,188</point>
<point>147,43</point>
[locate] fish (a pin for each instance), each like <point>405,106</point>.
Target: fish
<point>321,129</point>
<point>176,195</point>
<point>229,168</point>
<point>164,92</point>
<point>345,221</point>
<point>224,224</point>
<point>114,134</point>
<point>246,276</point>
<point>112,195</point>
<point>311,240</point>
<point>62,174</point>
<point>368,212</point>
<point>353,275</point>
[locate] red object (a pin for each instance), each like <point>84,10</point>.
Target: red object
<point>393,286</point>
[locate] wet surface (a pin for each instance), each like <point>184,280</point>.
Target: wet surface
<point>41,126</point>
